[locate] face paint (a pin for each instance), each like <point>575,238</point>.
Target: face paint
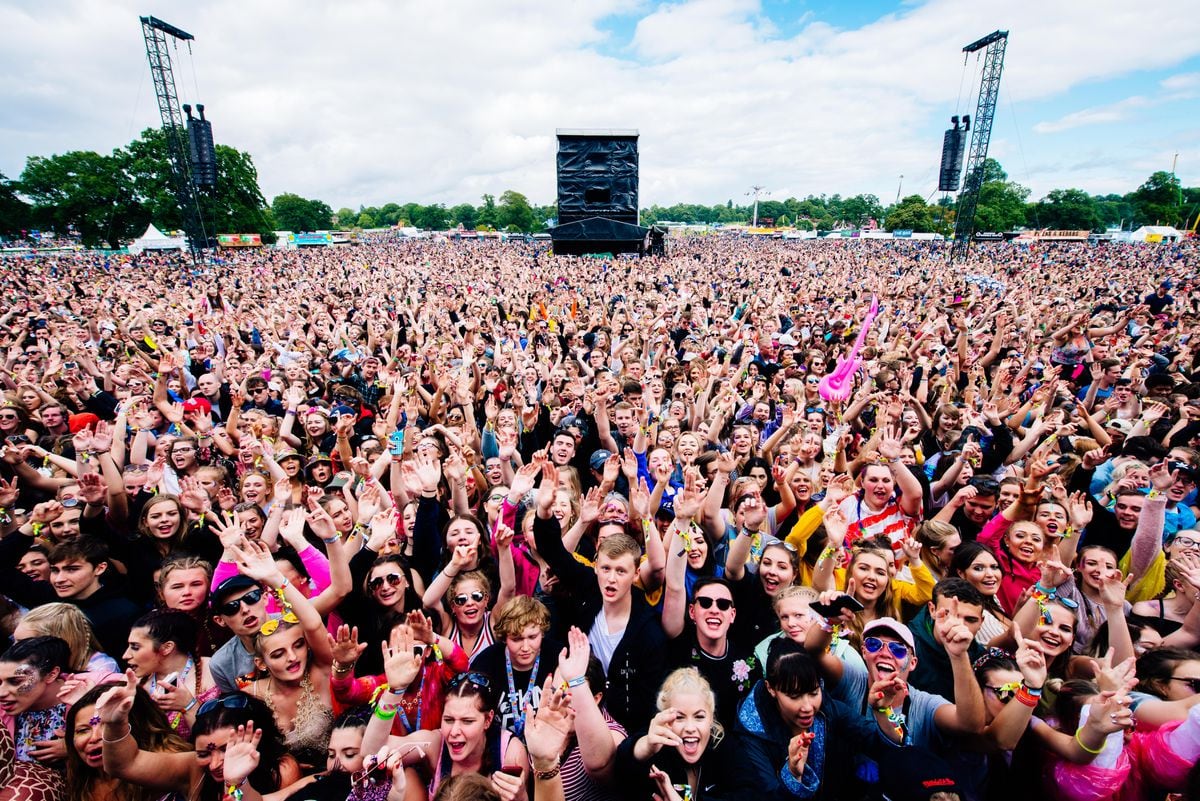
<point>29,678</point>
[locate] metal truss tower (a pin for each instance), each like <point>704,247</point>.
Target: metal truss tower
<point>985,110</point>
<point>156,33</point>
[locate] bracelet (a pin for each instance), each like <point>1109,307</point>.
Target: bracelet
<point>1091,751</point>
<point>336,536</point>
<point>1027,697</point>
<point>37,529</point>
<point>338,667</point>
<point>576,682</point>
<point>191,704</point>
<point>1152,494</point>
<point>234,791</point>
<point>547,775</point>
<point>128,731</point>
<point>385,714</point>
<point>897,719</point>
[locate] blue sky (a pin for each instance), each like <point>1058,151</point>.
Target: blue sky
<point>371,101</point>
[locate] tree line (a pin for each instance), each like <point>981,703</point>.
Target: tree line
<point>110,199</point>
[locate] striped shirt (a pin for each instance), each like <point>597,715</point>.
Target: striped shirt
<point>890,522</point>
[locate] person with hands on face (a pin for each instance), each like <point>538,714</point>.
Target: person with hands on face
<point>680,755</point>
<point>796,740</point>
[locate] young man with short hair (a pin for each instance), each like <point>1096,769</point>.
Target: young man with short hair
<point>239,604</point>
<point>623,629</point>
<point>933,671</point>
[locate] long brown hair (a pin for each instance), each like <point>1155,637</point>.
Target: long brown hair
<point>149,729</point>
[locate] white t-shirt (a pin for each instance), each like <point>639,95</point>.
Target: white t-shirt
<point>604,645</point>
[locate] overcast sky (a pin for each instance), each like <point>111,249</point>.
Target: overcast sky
<point>370,101</point>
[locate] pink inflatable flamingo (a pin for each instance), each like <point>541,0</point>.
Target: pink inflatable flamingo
<point>836,386</point>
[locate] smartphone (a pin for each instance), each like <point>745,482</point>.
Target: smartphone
<point>513,770</point>
<point>834,609</point>
<point>396,443</point>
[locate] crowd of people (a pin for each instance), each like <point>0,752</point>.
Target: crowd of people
<point>466,520</point>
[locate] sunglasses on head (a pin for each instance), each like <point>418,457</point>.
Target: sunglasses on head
<point>271,626</point>
<point>461,600</point>
<point>706,602</point>
<point>472,677</point>
<point>249,599</point>
<point>393,580</point>
<point>234,701</point>
<point>898,650</point>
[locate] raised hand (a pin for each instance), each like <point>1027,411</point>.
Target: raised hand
<point>1079,509</point>
<point>503,536</point>
<point>429,471</point>
<point>547,732</point>
<point>660,733</point>
<point>114,705</point>
<point>227,529</point>
<point>402,658</point>
<point>92,489</point>
<point>254,560</point>
<point>345,646</point>
<point>1030,660</point>
<point>950,630</point>
<point>241,753</point>
<point>798,753</point>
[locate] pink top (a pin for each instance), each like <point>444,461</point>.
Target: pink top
<point>313,560</point>
<point>527,569</point>
<point>1015,576</point>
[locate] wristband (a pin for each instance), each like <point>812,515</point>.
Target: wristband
<point>191,704</point>
<point>547,775</point>
<point>577,682</point>
<point>332,539</point>
<point>1092,751</point>
<point>1027,697</point>
<point>1153,494</point>
<point>234,791</point>
<point>37,529</point>
<point>128,731</point>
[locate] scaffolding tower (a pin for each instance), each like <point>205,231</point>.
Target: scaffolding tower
<point>985,110</point>
<point>156,33</point>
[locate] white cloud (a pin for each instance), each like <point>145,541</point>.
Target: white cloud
<point>1112,112</point>
<point>369,101</point>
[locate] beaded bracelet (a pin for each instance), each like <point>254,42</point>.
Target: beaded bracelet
<point>1029,696</point>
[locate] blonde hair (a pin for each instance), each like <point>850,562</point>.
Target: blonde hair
<point>689,680</point>
<point>68,623</point>
<point>517,614</point>
<point>793,591</point>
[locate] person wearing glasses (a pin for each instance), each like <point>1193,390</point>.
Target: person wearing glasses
<point>239,604</point>
<point>1168,685</point>
<point>199,775</point>
<point>879,687</point>
<point>469,738</point>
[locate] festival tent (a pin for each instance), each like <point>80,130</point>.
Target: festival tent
<point>155,239</point>
<point>1157,233</point>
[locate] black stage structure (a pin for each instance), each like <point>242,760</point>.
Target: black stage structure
<point>598,193</point>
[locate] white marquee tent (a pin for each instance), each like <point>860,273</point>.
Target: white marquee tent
<point>155,239</point>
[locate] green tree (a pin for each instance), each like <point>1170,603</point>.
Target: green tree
<point>389,214</point>
<point>464,214</point>
<point>1001,205</point>
<point>1069,209</point>
<point>433,218</point>
<point>858,210</point>
<point>1156,202</point>
<point>910,213</point>
<point>295,213</point>
<point>85,192</point>
<point>489,215</point>
<point>514,210</point>
<point>345,217</point>
<point>16,215</point>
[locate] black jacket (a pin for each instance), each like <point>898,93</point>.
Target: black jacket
<point>639,661</point>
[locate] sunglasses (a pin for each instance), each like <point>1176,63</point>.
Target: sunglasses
<point>9,417</point>
<point>271,626</point>
<point>233,701</point>
<point>461,600</point>
<point>249,599</point>
<point>898,650</point>
<point>393,580</point>
<point>1006,692</point>
<point>723,604</point>
<point>1193,683</point>
<point>478,679</point>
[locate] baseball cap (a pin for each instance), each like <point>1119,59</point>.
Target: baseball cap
<point>1124,426</point>
<point>78,422</point>
<point>228,587</point>
<point>341,411</point>
<point>598,458</point>
<point>889,625</point>
<point>201,405</point>
<point>915,774</point>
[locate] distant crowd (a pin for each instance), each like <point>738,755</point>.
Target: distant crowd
<point>466,520</point>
